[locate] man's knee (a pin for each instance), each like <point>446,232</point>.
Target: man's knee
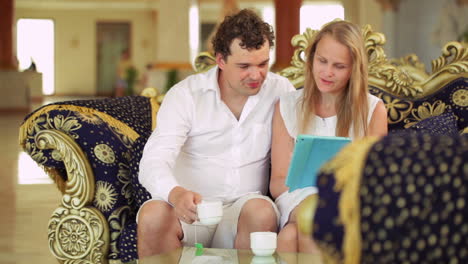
<point>158,229</point>
<point>157,215</point>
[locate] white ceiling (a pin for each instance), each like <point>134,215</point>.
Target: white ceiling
<point>108,4</point>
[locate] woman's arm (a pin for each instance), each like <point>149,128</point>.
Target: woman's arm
<point>281,150</point>
<point>379,125</point>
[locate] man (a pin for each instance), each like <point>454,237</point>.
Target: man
<point>212,142</point>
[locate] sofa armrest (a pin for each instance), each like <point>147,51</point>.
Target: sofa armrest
<point>305,214</point>
<point>381,198</point>
<point>86,147</point>
<point>75,215</point>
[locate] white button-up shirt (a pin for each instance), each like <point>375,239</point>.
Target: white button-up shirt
<point>199,144</point>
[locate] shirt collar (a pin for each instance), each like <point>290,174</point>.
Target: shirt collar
<point>213,85</point>
<point>212,75</point>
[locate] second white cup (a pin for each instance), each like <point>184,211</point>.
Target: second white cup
<point>263,243</point>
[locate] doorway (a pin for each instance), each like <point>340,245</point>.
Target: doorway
<point>36,52</point>
<point>112,39</point>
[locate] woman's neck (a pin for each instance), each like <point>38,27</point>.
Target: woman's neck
<point>326,106</point>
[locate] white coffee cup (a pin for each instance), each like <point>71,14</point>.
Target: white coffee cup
<point>210,212</point>
<point>263,243</point>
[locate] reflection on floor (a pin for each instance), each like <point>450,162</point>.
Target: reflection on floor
<point>27,198</point>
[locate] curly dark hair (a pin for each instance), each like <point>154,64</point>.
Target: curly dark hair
<point>245,25</point>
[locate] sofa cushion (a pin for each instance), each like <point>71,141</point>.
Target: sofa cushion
<point>443,124</point>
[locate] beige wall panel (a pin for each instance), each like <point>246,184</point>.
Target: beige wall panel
<point>75,43</point>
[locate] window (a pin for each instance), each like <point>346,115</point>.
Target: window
<point>35,43</point>
<point>194,30</point>
<point>29,172</point>
<point>314,15</point>
<point>268,15</point>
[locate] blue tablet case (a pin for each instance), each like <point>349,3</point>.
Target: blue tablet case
<point>309,154</point>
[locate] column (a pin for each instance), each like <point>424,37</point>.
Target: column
<point>173,43</point>
<point>6,35</point>
<point>287,25</point>
<point>351,8</point>
<point>389,7</point>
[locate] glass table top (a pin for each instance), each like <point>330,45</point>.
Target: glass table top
<point>189,255</point>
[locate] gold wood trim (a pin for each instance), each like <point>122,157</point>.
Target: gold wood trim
<point>452,64</point>
<point>28,124</point>
<point>295,73</point>
<point>80,183</point>
<point>78,233</point>
<point>204,61</point>
<point>382,73</point>
<point>155,101</point>
<point>412,65</point>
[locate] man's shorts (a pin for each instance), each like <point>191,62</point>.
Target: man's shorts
<point>223,234</point>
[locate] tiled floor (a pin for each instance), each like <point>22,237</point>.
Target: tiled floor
<point>27,199</point>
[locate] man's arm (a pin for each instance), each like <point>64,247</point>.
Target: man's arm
<point>163,146</point>
<point>161,151</point>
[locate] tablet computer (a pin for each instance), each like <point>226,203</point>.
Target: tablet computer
<point>309,154</point>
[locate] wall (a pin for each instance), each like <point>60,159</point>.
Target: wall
<point>363,12</point>
<point>15,91</point>
<point>415,22</point>
<point>75,65</point>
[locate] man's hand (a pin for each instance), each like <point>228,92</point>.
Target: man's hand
<point>185,204</point>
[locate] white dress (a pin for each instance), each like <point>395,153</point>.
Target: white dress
<point>287,201</point>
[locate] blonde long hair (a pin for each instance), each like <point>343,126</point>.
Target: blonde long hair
<point>351,107</point>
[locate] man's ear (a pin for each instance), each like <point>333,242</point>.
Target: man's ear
<point>220,61</point>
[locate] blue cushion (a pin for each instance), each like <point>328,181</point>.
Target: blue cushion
<point>444,124</point>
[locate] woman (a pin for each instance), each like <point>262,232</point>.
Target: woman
<point>334,102</point>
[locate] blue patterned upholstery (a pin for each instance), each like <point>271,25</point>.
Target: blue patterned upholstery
<point>412,201</point>
<point>128,240</point>
<point>404,112</point>
<point>443,124</point>
<point>113,151</point>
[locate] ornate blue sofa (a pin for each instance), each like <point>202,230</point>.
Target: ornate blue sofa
<point>92,148</point>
